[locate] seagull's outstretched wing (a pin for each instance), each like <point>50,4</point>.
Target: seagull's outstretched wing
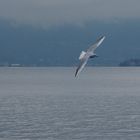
<point>81,66</point>
<point>97,44</point>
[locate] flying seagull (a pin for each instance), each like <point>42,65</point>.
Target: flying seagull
<point>84,56</point>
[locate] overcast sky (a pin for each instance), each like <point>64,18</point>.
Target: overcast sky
<point>58,12</point>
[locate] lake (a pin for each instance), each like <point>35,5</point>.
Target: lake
<point>102,103</point>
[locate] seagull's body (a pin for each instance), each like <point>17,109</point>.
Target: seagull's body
<point>84,56</point>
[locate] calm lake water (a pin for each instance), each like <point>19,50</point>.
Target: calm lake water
<point>51,104</point>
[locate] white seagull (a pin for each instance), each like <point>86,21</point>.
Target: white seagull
<point>84,56</point>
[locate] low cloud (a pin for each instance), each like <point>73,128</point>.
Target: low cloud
<point>48,13</point>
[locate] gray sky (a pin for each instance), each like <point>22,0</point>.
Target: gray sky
<point>58,12</point>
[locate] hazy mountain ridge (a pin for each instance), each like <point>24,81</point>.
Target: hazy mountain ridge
<point>61,46</point>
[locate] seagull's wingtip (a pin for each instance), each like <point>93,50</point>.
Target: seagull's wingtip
<point>76,73</point>
<point>103,37</point>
